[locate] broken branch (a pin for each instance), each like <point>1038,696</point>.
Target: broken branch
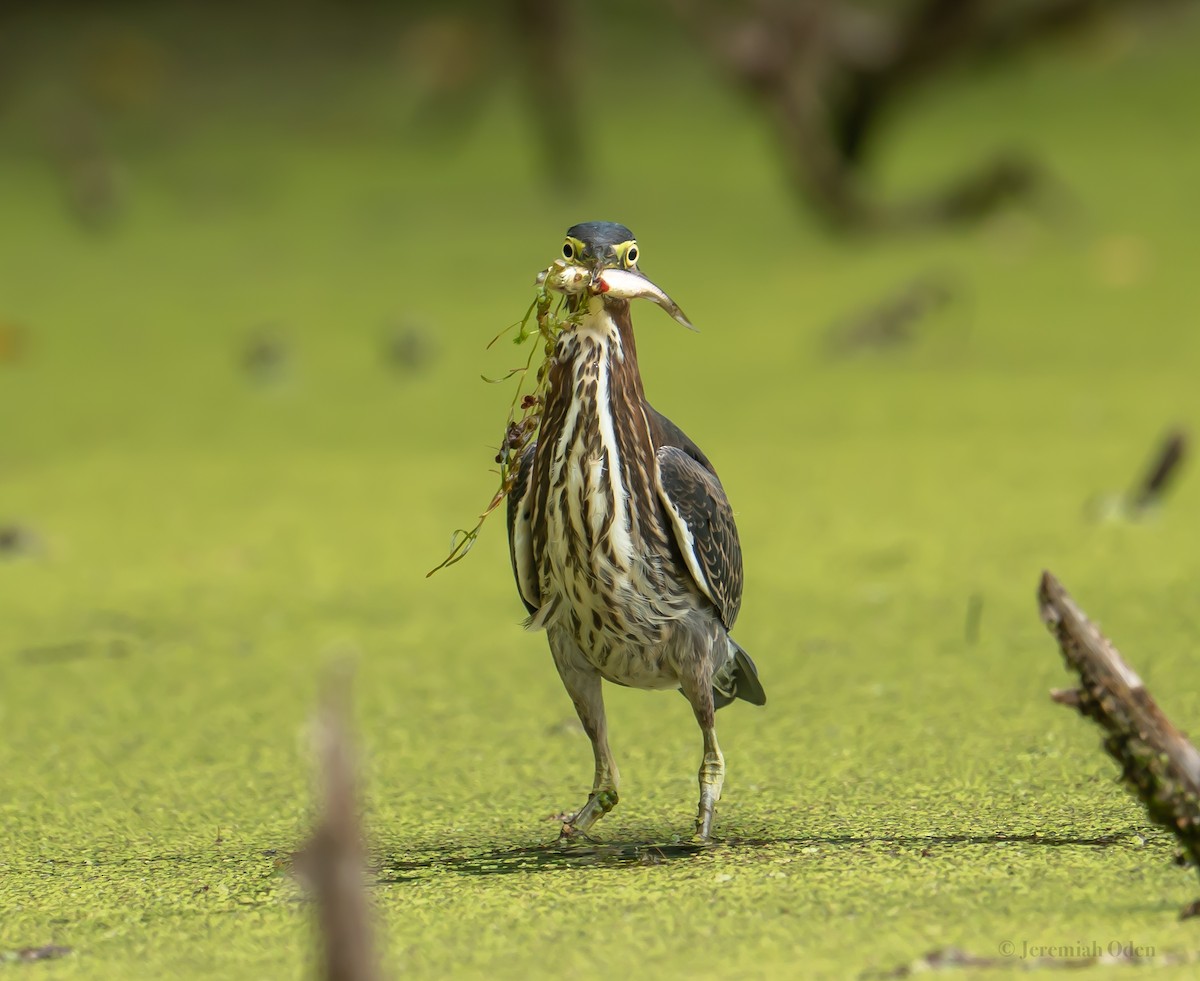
<point>1157,761</point>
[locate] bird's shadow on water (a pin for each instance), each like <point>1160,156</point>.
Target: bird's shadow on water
<point>541,858</point>
<point>574,853</point>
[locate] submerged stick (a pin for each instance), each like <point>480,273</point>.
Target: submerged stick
<point>332,863</point>
<point>1157,761</point>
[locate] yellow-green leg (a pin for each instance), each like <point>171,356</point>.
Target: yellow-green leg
<point>583,684</point>
<point>712,778</point>
<point>697,686</point>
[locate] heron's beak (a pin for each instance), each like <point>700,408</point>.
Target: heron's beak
<point>631,284</point>
<point>625,284</point>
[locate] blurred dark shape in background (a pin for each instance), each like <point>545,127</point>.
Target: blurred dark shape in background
<point>87,173</point>
<point>14,342</point>
<point>544,29</point>
<point>47,952</point>
<point>16,540</point>
<point>409,348</point>
<point>828,74</point>
<point>462,54</point>
<point>974,619</point>
<point>124,70</point>
<point>118,73</point>
<point>892,322</point>
<point>265,356</point>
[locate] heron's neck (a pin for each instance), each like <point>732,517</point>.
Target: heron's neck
<point>605,331</point>
<point>595,454</point>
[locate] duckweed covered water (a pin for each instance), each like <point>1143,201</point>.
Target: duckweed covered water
<point>200,540</point>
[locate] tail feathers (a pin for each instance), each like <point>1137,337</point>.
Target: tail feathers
<point>738,679</point>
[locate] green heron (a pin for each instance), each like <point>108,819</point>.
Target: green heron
<point>622,540</point>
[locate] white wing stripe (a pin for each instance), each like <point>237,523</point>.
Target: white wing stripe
<point>687,545</point>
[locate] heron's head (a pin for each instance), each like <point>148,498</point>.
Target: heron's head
<point>606,254</point>
<point>601,245</point>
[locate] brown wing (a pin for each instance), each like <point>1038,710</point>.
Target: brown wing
<point>700,516</point>
<point>520,533</point>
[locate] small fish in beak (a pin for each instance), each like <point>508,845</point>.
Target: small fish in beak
<point>629,284</point>
<point>562,277</point>
<point>626,284</point>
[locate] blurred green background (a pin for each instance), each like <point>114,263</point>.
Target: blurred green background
<point>249,263</point>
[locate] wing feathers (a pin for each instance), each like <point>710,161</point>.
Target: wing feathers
<point>704,528</point>
<point>520,534</point>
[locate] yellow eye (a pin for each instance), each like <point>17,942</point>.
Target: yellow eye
<point>631,256</point>
<point>568,250</point>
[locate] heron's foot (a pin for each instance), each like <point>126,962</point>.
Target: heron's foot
<point>599,803</point>
<point>712,777</point>
<point>570,834</point>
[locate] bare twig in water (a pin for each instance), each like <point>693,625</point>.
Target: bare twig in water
<point>332,863</point>
<point>1157,761</point>
<point>1159,475</point>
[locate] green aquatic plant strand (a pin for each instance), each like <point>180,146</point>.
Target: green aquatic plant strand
<point>545,320</point>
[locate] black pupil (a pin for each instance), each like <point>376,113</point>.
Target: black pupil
<point>632,255</point>
<point>568,251</point>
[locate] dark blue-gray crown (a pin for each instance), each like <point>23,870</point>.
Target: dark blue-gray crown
<point>601,244</point>
<point>602,234</point>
